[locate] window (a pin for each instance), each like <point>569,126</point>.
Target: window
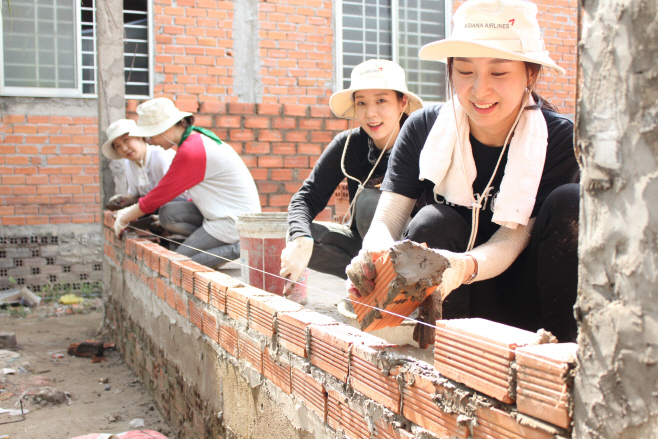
<point>49,48</point>
<point>394,30</point>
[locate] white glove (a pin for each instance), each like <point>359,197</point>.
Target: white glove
<point>361,273</point>
<point>294,259</point>
<point>124,217</point>
<point>453,276</point>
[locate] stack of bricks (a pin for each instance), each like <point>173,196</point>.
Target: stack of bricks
<point>333,369</point>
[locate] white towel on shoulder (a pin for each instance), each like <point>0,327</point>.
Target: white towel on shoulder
<point>440,162</point>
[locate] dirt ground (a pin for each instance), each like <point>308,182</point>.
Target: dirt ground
<point>97,397</point>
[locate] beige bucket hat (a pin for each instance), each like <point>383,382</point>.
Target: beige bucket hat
<point>506,29</point>
<point>373,74</point>
<point>157,116</point>
<point>116,129</point>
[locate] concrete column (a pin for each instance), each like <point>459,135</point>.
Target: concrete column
<point>616,387</point>
<point>111,89</point>
<point>247,84</point>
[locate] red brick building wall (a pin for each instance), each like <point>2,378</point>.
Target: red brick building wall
<point>48,162</point>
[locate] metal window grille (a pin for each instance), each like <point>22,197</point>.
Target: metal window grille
<point>39,40</point>
<point>394,30</point>
<point>135,47</point>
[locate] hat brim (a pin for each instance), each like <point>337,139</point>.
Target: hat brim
<point>444,49</point>
<point>108,150</point>
<point>159,128</point>
<point>342,104</point>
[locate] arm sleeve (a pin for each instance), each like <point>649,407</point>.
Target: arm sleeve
<point>389,222</point>
<point>501,250</point>
<point>187,170</point>
<point>317,189</point>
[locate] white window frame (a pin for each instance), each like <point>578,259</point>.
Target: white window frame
<point>47,92</point>
<point>338,14</point>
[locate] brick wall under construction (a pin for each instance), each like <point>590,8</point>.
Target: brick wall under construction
<point>223,359</point>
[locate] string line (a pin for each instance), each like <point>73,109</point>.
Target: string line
<point>444,329</point>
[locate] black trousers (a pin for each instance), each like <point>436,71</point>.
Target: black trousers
<point>538,290</point>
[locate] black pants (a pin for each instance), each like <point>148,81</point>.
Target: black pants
<point>538,290</point>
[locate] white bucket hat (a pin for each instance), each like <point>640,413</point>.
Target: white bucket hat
<point>116,129</point>
<point>505,29</point>
<point>373,74</point>
<point>157,116</point>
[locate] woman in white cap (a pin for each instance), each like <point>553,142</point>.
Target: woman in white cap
<point>379,101</point>
<point>218,181</point>
<point>145,164</point>
<point>494,166</point>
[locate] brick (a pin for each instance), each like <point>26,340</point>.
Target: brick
<point>170,297</point>
<point>237,300</point>
<point>478,352</point>
<point>263,311</point>
<point>209,324</point>
<point>330,348</point>
<point>341,417</point>
<point>544,381</point>
<point>496,424</point>
<point>250,350</point>
<point>420,407</point>
<point>386,430</point>
<point>194,313</point>
<point>367,377</point>
<point>228,338</point>
<point>202,285</point>
<point>294,110</point>
<point>277,370</point>
<point>241,108</point>
<point>269,109</point>
<point>188,269</point>
<point>311,391</point>
<point>292,329</point>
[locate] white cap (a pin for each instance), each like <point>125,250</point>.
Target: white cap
<point>505,29</point>
<point>374,74</point>
<point>157,116</point>
<point>116,129</point>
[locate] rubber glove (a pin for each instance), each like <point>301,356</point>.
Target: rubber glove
<point>294,259</point>
<point>361,274</point>
<point>125,216</point>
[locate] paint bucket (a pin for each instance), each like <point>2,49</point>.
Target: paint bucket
<point>262,238</point>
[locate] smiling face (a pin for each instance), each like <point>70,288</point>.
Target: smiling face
<point>131,148</point>
<point>490,91</point>
<point>378,112</point>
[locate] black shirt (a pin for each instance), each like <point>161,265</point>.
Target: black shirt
<point>320,185</point>
<point>560,166</point>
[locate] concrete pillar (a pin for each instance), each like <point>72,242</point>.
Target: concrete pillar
<point>616,387</point>
<point>111,89</point>
<point>247,84</point>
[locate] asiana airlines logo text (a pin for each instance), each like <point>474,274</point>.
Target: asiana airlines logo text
<point>487,25</point>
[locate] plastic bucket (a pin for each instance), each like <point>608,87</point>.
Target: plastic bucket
<point>262,238</point>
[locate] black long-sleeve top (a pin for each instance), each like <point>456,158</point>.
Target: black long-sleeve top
<point>320,185</point>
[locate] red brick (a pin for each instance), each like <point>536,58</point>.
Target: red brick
<point>270,162</point>
<point>250,350</point>
<point>367,376</point>
<point>228,338</point>
<point>241,108</point>
<point>294,110</point>
<point>311,391</point>
<point>210,327</point>
<point>269,109</point>
<point>340,416</point>
<point>277,370</point>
